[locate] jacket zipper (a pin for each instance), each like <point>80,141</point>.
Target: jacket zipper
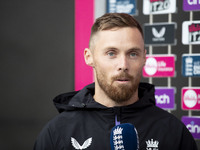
<point>116,121</point>
<point>117,112</point>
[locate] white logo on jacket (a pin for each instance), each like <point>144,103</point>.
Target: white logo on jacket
<point>152,145</point>
<point>85,145</point>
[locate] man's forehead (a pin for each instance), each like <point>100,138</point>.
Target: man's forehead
<point>111,35</point>
<point>115,29</point>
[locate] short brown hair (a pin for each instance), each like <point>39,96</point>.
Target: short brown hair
<point>114,20</point>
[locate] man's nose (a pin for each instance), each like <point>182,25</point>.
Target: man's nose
<point>123,63</point>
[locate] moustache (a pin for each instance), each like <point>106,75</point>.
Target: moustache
<point>122,77</point>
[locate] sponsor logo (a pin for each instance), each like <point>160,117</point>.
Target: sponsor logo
<point>194,32</point>
<point>193,128</point>
<point>159,6</point>
<point>191,32</point>
<point>85,145</point>
<point>159,34</point>
<point>159,66</point>
<point>193,125</point>
<point>190,98</point>
<point>165,97</point>
<point>121,6</point>
<point>191,65</point>
<point>152,145</point>
<point>189,5</point>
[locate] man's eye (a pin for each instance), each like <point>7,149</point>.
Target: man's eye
<point>132,54</point>
<point>111,53</point>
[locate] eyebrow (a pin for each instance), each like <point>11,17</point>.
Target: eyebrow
<point>128,50</point>
<point>110,48</point>
<point>135,49</point>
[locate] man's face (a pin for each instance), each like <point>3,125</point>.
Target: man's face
<point>118,59</point>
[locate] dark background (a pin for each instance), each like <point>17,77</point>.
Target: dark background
<point>37,63</point>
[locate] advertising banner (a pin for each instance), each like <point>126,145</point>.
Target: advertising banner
<point>191,65</point>
<point>193,125</point>
<point>121,6</point>
<point>159,66</point>
<point>159,34</point>
<point>191,5</point>
<point>190,97</point>
<point>165,97</point>
<point>159,6</point>
<point>191,32</point>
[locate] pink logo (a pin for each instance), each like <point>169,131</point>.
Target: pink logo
<point>194,27</point>
<point>194,32</point>
<point>191,98</point>
<point>159,66</point>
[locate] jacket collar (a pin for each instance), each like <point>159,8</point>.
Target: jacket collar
<point>83,99</point>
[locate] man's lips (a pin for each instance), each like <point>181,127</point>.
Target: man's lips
<point>123,80</point>
<point>122,77</point>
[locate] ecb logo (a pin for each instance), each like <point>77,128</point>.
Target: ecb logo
<point>191,65</point>
<point>121,6</point>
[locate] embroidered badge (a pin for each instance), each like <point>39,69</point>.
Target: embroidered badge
<point>152,145</point>
<point>118,138</point>
<point>85,145</point>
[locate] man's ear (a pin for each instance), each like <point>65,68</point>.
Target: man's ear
<point>88,57</point>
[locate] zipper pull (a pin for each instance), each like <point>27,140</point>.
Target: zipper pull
<point>117,112</point>
<point>116,121</point>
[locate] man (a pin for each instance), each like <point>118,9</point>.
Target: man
<point>117,54</point>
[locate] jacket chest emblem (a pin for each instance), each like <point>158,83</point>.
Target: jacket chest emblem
<point>152,145</point>
<point>77,146</point>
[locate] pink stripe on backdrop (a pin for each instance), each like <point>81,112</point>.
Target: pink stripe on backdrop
<point>84,18</point>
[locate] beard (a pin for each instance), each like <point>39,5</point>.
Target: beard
<point>120,93</point>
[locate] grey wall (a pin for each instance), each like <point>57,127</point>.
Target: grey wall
<point>36,64</point>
